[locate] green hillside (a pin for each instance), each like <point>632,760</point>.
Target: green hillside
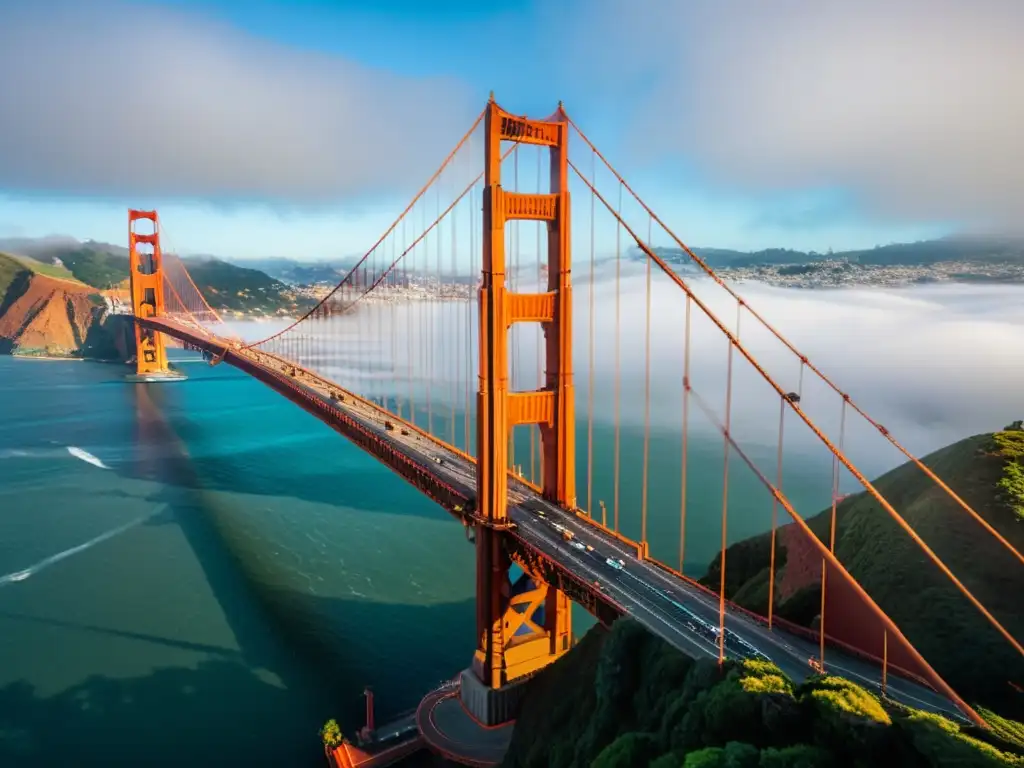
<point>986,471</point>
<point>636,701</point>
<point>94,266</point>
<point>973,250</point>
<point>225,286</point>
<point>42,268</point>
<point>10,270</point>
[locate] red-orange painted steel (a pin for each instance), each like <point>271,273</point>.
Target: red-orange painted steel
<point>855,621</point>
<point>146,281</point>
<point>499,409</point>
<point>602,607</point>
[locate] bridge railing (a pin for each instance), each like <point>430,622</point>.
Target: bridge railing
<point>421,477</point>
<point>796,629</point>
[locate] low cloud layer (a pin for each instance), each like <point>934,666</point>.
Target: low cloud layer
<point>110,99</point>
<point>932,364</point>
<point>914,106</point>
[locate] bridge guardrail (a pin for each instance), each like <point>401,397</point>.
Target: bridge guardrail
<point>448,496</point>
<point>797,629</point>
<point>419,476</point>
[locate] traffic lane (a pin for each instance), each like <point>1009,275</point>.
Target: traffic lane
<point>703,604</point>
<point>596,539</point>
<point>788,651</point>
<point>413,445</point>
<point>669,621</point>
<point>461,473</point>
<point>791,660</point>
<point>637,605</point>
<point>608,547</point>
<point>659,606</point>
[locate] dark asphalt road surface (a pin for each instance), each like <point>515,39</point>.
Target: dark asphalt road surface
<point>681,614</point>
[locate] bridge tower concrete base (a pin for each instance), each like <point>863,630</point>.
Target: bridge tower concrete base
<point>491,706</point>
<point>146,278</point>
<point>521,628</point>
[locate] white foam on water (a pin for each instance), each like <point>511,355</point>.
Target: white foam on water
<point>85,456</point>
<point>32,570</point>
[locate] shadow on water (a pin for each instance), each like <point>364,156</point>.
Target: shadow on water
<point>260,704</point>
<point>259,472</point>
<point>170,642</point>
<point>177,715</point>
<point>305,471</point>
<point>301,615</point>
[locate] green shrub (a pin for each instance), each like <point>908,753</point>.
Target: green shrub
<point>331,734</point>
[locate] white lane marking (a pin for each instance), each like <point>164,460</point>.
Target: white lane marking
<point>634,597</point>
<point>454,463</point>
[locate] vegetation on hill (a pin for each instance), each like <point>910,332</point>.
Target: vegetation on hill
<point>1008,447</point>
<point>300,272</point>
<point>636,701</point>
<point>228,288</point>
<point>976,250</point>
<point>10,271</point>
<point>95,266</point>
<point>986,471</point>
<point>43,268</point>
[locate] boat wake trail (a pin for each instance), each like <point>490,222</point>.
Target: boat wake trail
<point>52,453</point>
<point>85,456</point>
<point>11,578</point>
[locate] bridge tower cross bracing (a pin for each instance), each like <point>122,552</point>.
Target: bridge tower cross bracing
<point>147,289</point>
<point>506,653</point>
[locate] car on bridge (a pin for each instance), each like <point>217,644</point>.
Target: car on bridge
<point>616,564</point>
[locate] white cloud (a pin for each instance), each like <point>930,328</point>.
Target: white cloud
<point>914,106</point>
<point>112,100</point>
<point>931,364</point>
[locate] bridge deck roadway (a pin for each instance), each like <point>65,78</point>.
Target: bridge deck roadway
<point>671,608</point>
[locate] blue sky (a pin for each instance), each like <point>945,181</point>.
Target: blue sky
<point>299,127</point>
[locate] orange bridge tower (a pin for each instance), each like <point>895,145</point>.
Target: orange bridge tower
<point>520,627</point>
<point>147,290</point>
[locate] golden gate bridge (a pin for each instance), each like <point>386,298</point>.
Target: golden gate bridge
<point>475,403</point>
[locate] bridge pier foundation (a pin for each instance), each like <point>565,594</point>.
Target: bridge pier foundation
<point>155,377</point>
<point>491,706</point>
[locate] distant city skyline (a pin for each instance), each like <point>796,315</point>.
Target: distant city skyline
<point>300,129</point>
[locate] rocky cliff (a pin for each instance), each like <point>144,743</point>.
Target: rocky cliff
<point>41,315</point>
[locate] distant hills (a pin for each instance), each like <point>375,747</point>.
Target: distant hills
<point>227,287</point>
<point>978,250</point>
<point>960,248</point>
<point>301,272</point>
<point>103,264</point>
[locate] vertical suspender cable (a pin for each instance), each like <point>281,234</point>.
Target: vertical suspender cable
<point>831,534</point>
<point>725,496</point>
<point>590,340</point>
<point>647,396</point>
<point>618,372</point>
<point>775,516</point>
<point>452,368</point>
<point>467,418</point>
<point>686,435</point>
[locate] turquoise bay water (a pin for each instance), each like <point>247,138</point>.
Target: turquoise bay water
<point>261,570</point>
<point>239,572</point>
<point>278,571</point>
